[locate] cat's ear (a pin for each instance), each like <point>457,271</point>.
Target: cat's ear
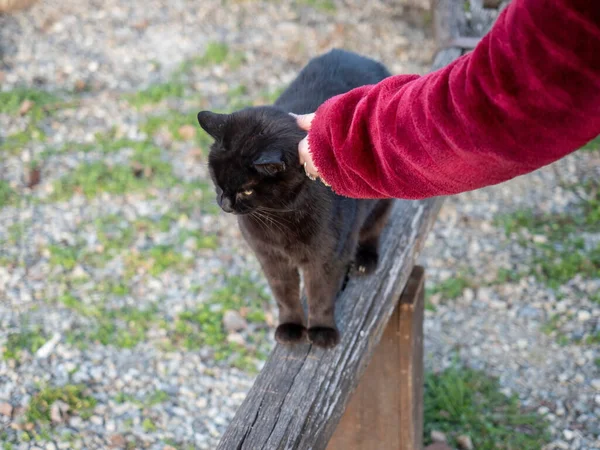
<point>213,123</point>
<point>270,163</point>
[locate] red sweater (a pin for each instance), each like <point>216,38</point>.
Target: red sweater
<point>527,95</point>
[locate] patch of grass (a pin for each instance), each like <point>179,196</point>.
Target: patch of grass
<point>555,265</point>
<point>164,257</point>
<point>593,145</point>
<point>124,327</point>
<point>507,276</point>
<point>204,325</point>
<point>156,260</point>
<point>156,398</point>
<point>202,240</point>
<point>172,122</point>
<point>559,251</point>
<point>327,6</point>
<point>29,340</point>
<point>148,426</point>
<point>38,411</point>
<point>11,101</point>
<point>73,303</point>
<point>461,401</point>
<point>147,169</point>
<point>15,142</point>
<point>214,54</point>
<point>451,288</point>
<point>157,93</point>
<point>64,256</point>
<point>114,235</point>
<point>7,194</point>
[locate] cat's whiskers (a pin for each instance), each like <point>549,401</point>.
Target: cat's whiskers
<point>259,220</point>
<point>271,219</point>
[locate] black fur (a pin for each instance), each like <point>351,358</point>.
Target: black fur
<point>292,223</point>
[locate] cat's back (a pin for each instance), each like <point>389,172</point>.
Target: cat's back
<point>328,75</point>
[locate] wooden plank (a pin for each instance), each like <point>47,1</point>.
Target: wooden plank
<point>386,410</point>
<point>299,396</point>
<point>412,307</point>
<point>491,4</point>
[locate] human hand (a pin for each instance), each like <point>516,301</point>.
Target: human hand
<point>304,122</point>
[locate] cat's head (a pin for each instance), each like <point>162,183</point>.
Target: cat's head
<point>254,160</point>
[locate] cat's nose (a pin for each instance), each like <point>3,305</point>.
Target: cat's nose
<point>226,205</point>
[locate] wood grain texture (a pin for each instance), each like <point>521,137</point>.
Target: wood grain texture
<point>410,354</point>
<point>385,411</point>
<point>299,396</point>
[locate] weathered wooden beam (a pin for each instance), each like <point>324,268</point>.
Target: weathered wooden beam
<point>302,391</point>
<point>492,4</point>
<point>386,411</point>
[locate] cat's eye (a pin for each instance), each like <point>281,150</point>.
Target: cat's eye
<point>248,192</point>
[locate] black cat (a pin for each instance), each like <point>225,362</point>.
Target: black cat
<point>294,224</point>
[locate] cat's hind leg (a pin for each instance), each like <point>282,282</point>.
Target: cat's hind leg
<point>367,252</point>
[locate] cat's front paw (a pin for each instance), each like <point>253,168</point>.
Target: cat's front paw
<point>323,337</point>
<point>290,333</point>
<point>366,259</point>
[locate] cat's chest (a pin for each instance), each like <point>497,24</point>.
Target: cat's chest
<point>293,239</point>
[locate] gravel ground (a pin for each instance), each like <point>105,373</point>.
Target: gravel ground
<point>69,273</point>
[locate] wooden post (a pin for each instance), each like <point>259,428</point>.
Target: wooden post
<point>386,410</point>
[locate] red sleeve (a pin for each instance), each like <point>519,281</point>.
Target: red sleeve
<point>526,96</point>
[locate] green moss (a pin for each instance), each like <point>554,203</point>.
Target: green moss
<point>29,340</point>
<point>38,411</point>
<point>7,194</point>
<point>461,401</point>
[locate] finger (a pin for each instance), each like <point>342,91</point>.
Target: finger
<point>305,120</point>
<point>306,157</point>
